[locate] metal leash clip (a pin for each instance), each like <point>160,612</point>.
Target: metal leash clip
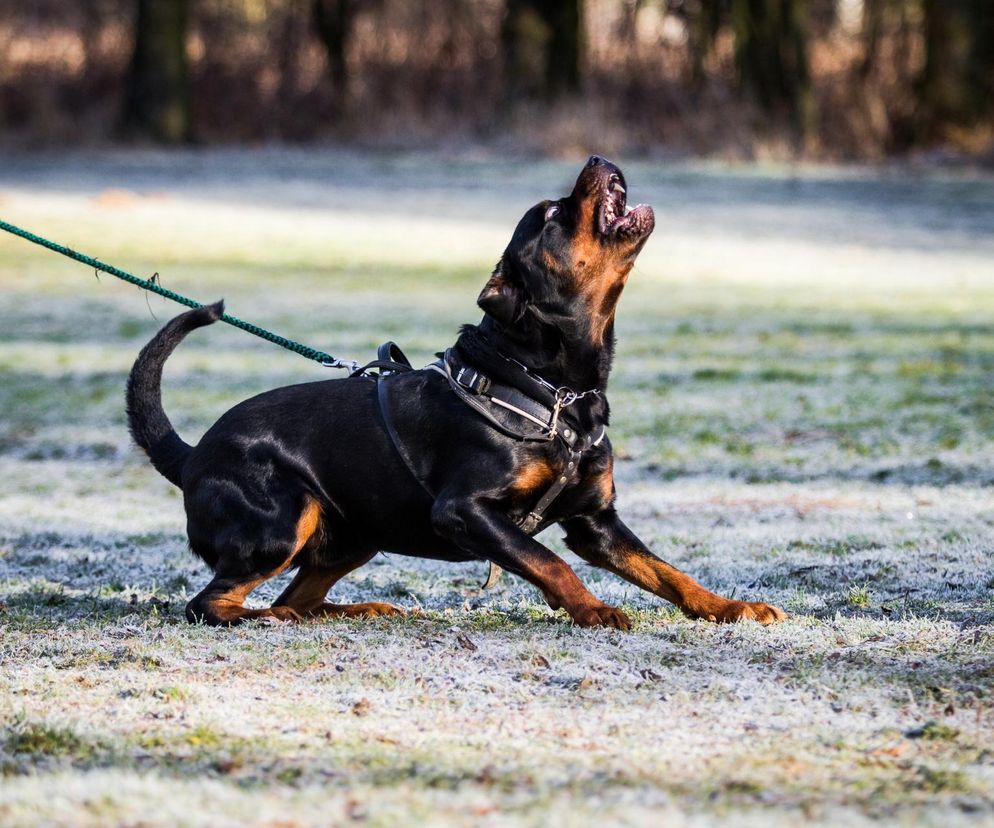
<point>565,397</point>
<point>349,365</point>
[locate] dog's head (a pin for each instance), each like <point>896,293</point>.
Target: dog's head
<point>569,259</point>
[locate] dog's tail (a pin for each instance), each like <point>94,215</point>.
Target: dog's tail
<point>148,423</point>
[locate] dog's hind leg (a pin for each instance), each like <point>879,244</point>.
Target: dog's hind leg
<point>306,592</point>
<point>221,603</point>
<point>238,572</point>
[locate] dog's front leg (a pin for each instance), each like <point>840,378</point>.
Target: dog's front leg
<point>603,540</point>
<point>484,531</point>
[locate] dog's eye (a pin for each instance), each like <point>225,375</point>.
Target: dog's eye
<point>551,211</point>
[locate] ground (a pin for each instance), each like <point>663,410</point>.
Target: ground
<point>802,411</point>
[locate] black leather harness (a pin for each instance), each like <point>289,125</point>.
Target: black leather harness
<point>505,407</point>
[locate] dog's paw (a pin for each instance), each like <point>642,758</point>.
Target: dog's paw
<point>601,615</point>
<point>285,614</point>
<point>276,615</point>
<point>370,609</point>
<point>734,611</point>
<point>377,609</point>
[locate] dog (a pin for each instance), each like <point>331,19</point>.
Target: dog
<point>464,460</point>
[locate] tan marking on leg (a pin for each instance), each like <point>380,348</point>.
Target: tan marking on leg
<point>307,524</point>
<point>370,609</point>
<point>308,588</point>
<point>226,607</point>
<point>694,600</point>
<point>310,585</point>
<point>306,593</point>
<point>563,589</point>
<point>221,602</point>
<point>223,606</point>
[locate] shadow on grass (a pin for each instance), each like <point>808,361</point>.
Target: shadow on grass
<point>933,472</point>
<point>51,605</point>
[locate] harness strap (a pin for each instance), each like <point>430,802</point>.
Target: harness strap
<point>494,572</point>
<point>384,401</point>
<point>473,388</point>
<point>534,518</point>
<point>389,360</point>
<point>477,390</point>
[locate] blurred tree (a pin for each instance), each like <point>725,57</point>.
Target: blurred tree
<point>565,55</point>
<point>891,42</point>
<point>772,57</point>
<point>703,21</point>
<point>956,85</point>
<point>688,72</point>
<point>872,31</point>
<point>157,101</point>
<point>542,42</point>
<point>703,25</point>
<point>334,21</point>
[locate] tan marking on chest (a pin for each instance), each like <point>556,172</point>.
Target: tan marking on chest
<point>537,474</point>
<point>599,281</point>
<point>605,482</point>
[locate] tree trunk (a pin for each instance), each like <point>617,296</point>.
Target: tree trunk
<point>873,13</point>
<point>955,87</point>
<point>542,44</point>
<point>564,55</point>
<point>157,103</point>
<point>771,55</point>
<point>333,21</point>
<point>702,26</point>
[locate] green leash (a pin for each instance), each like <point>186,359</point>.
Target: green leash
<point>147,284</point>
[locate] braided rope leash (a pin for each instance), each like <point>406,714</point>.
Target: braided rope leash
<point>150,285</point>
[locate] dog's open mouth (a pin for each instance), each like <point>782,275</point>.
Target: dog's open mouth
<point>616,219</point>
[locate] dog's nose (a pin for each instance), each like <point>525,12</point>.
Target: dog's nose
<point>594,160</point>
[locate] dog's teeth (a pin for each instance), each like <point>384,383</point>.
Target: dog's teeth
<point>616,187</point>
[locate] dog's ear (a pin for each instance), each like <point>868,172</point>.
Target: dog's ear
<point>502,298</point>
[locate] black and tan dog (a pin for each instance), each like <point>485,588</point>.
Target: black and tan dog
<point>464,460</point>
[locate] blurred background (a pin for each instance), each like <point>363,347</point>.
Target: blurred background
<point>738,79</point>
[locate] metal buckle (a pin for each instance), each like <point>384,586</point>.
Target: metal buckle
<point>477,383</point>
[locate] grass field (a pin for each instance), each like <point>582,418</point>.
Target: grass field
<point>802,408</point>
